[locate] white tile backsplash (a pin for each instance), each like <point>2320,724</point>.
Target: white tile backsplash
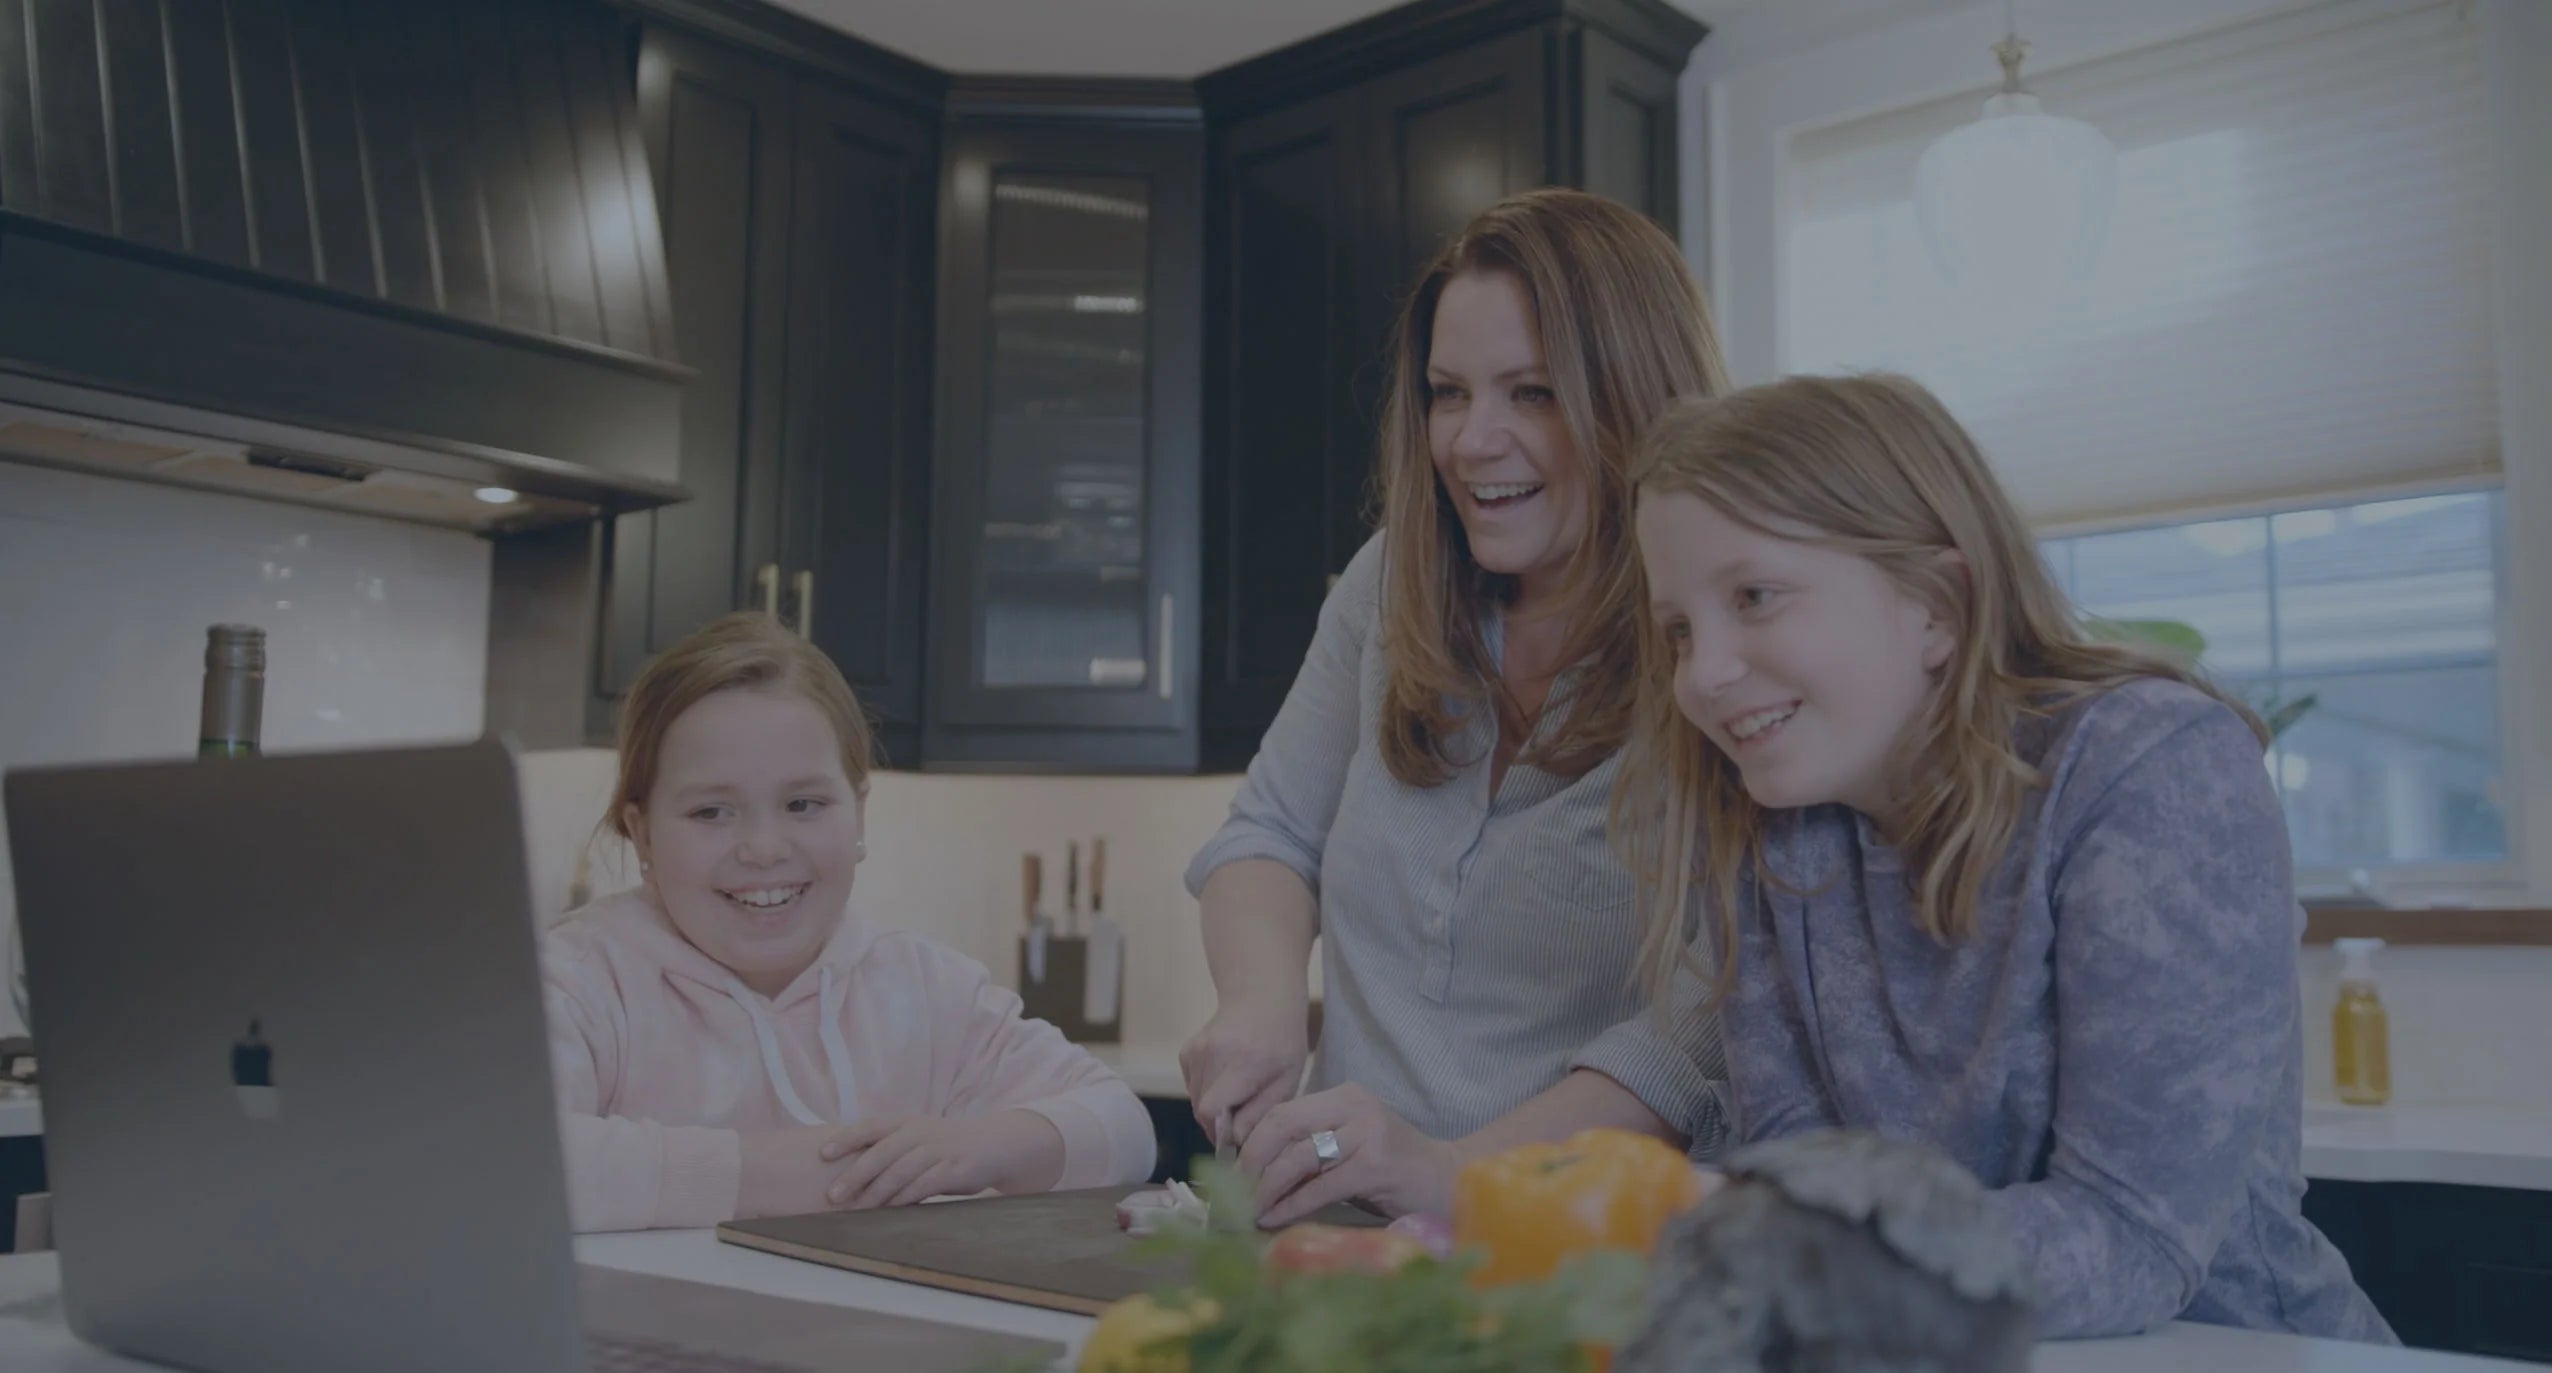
<point>376,631</point>
<point>2469,1027</point>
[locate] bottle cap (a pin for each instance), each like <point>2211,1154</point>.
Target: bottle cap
<point>2359,956</point>
<point>235,646</point>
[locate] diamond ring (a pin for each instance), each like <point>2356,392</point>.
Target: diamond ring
<point>1324,1146</point>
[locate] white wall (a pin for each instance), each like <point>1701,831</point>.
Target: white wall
<point>376,630</point>
<point>2467,1023</point>
<point>943,862</point>
<point>2517,56</point>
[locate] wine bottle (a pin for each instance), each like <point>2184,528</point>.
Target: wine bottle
<point>234,691</point>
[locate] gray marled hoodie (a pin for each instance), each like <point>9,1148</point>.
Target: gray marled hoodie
<point>2116,1048</point>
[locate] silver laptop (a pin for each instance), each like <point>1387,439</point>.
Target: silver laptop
<point>297,1098</point>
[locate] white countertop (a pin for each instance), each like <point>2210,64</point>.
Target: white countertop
<point>33,1340</point>
<point>2476,1146</point>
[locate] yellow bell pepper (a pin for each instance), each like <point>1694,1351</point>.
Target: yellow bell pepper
<point>1143,1335</point>
<point>1531,1208</point>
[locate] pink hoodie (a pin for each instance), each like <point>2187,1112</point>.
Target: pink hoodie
<point>662,1056</point>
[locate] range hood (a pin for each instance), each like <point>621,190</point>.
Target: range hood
<point>53,425</point>
<point>380,259</point>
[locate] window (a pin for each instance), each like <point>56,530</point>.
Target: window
<point>2294,310</point>
<point>2385,613</point>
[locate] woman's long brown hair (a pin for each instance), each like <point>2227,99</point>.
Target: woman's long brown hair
<point>1624,330</point>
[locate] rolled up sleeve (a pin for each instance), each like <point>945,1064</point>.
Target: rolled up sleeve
<point>1286,802</point>
<point>1673,1059</point>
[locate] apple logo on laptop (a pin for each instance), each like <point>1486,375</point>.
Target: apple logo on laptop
<point>252,1072</point>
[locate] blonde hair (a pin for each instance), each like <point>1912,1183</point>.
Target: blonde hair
<point>745,649</point>
<point>1624,330</point>
<point>1878,468</point>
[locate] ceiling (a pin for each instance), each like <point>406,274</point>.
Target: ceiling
<point>1171,38</point>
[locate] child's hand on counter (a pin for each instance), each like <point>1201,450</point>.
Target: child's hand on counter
<point>784,1172</point>
<point>903,1160</point>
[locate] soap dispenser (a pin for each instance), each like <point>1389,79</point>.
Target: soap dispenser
<point>2361,1052</point>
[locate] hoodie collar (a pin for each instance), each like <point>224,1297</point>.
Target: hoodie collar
<point>683,960</point>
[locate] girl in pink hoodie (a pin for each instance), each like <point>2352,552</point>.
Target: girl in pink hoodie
<point>729,1041</point>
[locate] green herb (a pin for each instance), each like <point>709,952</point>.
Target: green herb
<point>2186,644</point>
<point>1424,1318</point>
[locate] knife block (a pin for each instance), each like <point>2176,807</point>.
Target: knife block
<point>1061,999</point>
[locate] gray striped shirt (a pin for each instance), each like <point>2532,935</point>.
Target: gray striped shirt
<point>1474,948</point>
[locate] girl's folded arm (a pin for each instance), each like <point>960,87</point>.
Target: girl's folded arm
<point>1007,1061</point>
<point>2176,995</point>
<point>627,1174</point>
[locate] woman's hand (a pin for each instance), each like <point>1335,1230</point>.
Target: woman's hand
<point>1247,1061</point>
<point>1383,1161</point>
<point>896,1161</point>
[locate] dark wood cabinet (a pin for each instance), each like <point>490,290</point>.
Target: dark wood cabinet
<point>2467,1269</point>
<point>429,224</point>
<point>855,419</point>
<point>1619,103</point>
<point>798,232</point>
<point>1048,406</point>
<point>1063,622</point>
<point>349,148</point>
<point>720,135</point>
<point>1337,168</point>
<point>1285,499</point>
<point>1448,137</point>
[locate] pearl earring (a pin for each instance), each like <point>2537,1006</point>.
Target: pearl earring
<point>861,849</point>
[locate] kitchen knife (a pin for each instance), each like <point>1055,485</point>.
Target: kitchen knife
<point>1072,887</point>
<point>1032,881</point>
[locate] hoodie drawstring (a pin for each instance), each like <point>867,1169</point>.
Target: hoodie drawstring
<point>837,1055</point>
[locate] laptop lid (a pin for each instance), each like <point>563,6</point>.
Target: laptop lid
<point>298,1113</point>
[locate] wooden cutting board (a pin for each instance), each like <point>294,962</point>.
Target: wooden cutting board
<point>765,1332</point>
<point>1060,1250</point>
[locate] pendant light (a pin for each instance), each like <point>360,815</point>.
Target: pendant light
<point>2016,203</point>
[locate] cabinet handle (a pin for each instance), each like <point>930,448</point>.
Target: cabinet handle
<point>806,602</point>
<point>1169,627</point>
<point>766,584</point>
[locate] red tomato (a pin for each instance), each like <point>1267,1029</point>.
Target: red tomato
<point>1340,1249</point>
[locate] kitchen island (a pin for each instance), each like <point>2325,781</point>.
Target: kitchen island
<point>33,1339</point>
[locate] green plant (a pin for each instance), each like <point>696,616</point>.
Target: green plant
<point>2185,644</point>
<point>1426,1316</point>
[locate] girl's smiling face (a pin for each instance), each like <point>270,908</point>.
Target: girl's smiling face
<point>752,832</point>
<point>1803,664</point>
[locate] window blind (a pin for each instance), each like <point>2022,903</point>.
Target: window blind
<point>2294,297</point>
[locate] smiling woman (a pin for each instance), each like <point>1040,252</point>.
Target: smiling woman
<point>1439,772</point>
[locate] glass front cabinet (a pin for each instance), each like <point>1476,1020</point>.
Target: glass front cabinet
<point>1065,540</point>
